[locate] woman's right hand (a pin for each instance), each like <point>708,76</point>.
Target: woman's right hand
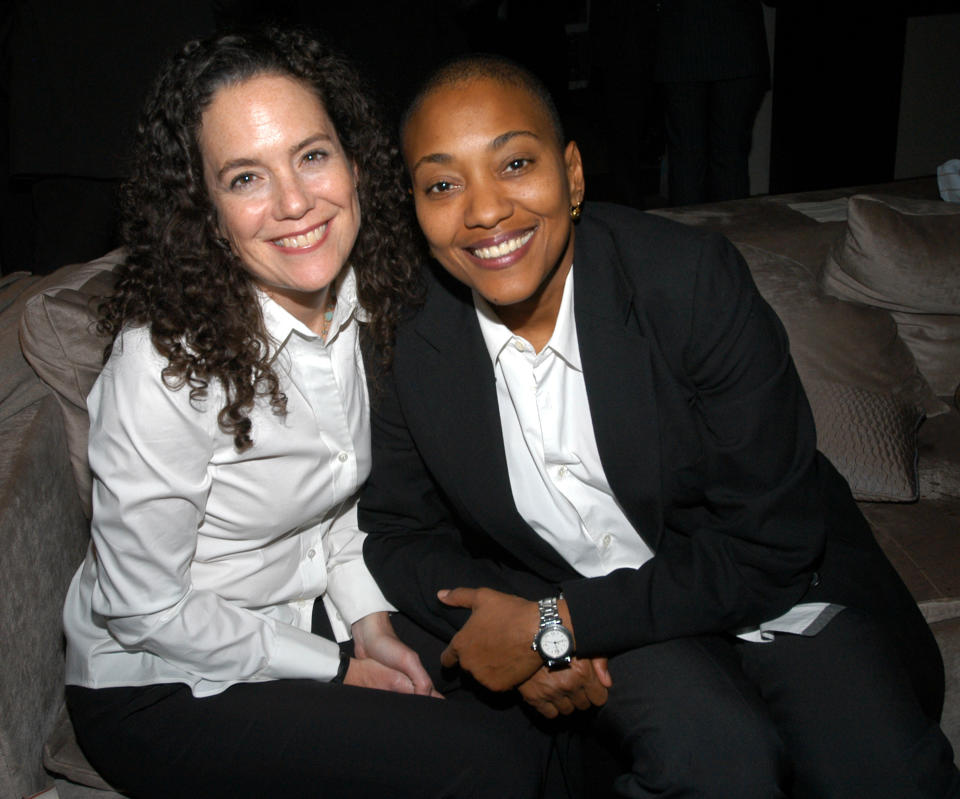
<point>370,673</point>
<point>383,661</point>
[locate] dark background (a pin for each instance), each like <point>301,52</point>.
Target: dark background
<point>73,73</point>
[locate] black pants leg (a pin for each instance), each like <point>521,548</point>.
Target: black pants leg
<point>709,126</point>
<point>733,106</point>
<point>848,716</point>
<point>832,716</point>
<point>685,717</point>
<point>686,107</point>
<point>306,738</point>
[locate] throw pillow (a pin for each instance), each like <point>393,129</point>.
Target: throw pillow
<point>865,391</point>
<point>871,438</point>
<point>59,339</point>
<point>903,255</point>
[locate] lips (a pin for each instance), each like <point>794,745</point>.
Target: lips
<point>302,241</point>
<point>502,246</point>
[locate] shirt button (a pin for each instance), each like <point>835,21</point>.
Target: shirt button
<point>519,345</point>
<point>562,471</point>
<point>312,554</point>
<point>342,457</point>
<point>606,540</point>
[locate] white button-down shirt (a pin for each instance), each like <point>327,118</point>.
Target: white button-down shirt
<point>204,561</point>
<point>557,479</point>
<point>558,482</point>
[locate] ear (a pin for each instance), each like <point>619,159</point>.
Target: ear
<point>356,174</point>
<point>575,180</point>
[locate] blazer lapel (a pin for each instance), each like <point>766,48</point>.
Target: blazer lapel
<point>617,370</point>
<point>460,415</point>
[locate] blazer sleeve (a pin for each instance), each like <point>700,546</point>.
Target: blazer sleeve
<point>413,546</point>
<point>743,525</point>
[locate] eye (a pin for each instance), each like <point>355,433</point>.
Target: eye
<point>242,181</point>
<point>315,156</point>
<point>516,164</point>
<point>440,187</point>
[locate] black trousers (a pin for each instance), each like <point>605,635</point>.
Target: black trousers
<point>303,738</point>
<point>824,717</point>
<point>708,130</point>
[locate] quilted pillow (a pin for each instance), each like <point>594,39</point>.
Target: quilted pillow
<point>903,255</point>
<point>871,438</point>
<point>865,391</point>
<point>59,340</point>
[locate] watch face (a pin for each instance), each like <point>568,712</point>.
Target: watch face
<point>554,643</point>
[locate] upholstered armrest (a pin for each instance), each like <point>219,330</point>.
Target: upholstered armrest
<point>43,534</point>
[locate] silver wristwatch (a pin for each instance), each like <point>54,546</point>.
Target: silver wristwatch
<point>553,642</point>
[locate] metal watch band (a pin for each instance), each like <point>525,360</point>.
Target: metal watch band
<point>549,613</point>
<point>550,620</point>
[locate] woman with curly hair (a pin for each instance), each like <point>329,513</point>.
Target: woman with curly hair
<point>265,227</point>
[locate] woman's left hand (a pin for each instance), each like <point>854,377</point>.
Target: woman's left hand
<point>374,638</point>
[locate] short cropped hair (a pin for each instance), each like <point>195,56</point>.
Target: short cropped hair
<point>478,66</point>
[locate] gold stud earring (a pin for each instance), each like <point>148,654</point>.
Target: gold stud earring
<point>576,210</point>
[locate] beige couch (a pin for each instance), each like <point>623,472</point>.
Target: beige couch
<point>858,357</point>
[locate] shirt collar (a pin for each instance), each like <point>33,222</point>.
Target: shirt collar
<point>563,342</point>
<point>281,324</point>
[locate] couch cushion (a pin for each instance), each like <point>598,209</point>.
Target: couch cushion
<point>19,387</point>
<point>59,339</point>
<point>938,445</point>
<point>62,755</point>
<point>865,391</point>
<point>903,255</point>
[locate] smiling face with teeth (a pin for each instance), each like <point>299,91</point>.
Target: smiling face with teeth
<point>493,189</point>
<point>283,188</point>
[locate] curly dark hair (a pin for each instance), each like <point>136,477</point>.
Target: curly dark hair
<point>182,280</point>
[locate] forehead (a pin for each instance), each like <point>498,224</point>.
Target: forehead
<point>476,110</point>
<point>265,104</point>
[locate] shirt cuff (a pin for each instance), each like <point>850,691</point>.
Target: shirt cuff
<point>354,594</point>
<point>299,654</point>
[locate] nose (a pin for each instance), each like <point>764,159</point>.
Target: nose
<point>292,198</point>
<point>486,204</point>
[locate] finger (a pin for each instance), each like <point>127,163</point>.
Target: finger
<point>597,694</point>
<point>601,669</point>
<point>449,657</point>
<point>564,705</point>
<point>422,684</point>
<point>547,710</point>
<point>401,685</point>
<point>457,597</point>
<point>580,700</point>
<point>411,666</point>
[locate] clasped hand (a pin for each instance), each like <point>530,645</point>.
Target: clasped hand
<point>381,660</point>
<point>495,647</point>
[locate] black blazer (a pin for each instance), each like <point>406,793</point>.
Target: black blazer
<point>703,430</point>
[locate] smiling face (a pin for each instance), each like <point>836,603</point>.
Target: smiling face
<point>283,188</point>
<point>493,189</point>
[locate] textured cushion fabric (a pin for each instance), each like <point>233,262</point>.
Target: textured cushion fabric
<point>865,391</point>
<point>904,255</point>
<point>59,339</point>
<point>934,340</point>
<point>19,386</point>
<point>44,534</point>
<point>870,438</point>
<point>62,755</point>
<point>938,445</point>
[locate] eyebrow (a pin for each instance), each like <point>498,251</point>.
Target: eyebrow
<point>495,144</point>
<point>236,163</point>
